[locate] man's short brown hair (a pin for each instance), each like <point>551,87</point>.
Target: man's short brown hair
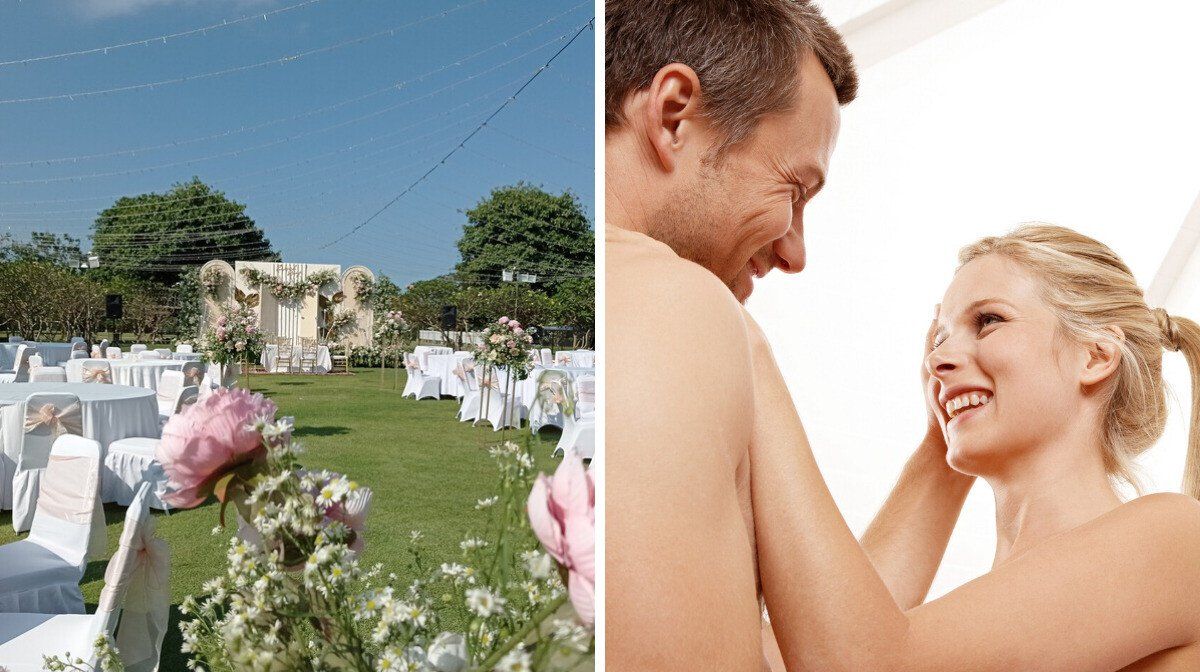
<point>745,53</point>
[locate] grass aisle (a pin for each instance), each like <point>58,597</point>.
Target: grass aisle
<point>426,469</point>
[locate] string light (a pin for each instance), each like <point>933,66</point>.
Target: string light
<point>283,60</point>
<point>205,30</point>
<point>470,135</point>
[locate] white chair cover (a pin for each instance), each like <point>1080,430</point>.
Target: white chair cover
<point>78,340</point>
<point>169,388</point>
<point>20,372</point>
<point>149,355</point>
<point>493,404</point>
<point>579,431</point>
<point>193,374</point>
<point>103,344</point>
<point>112,353</point>
<point>42,573</point>
<point>547,357</point>
<point>136,588</point>
<point>127,464</point>
<point>184,348</point>
<point>79,354</point>
<point>555,398</point>
<point>468,411</point>
<point>97,353</point>
<point>48,374</point>
<point>97,372</point>
<point>35,361</point>
<point>164,353</point>
<point>46,416</point>
<point>420,385</point>
<point>137,347</point>
<point>15,339</point>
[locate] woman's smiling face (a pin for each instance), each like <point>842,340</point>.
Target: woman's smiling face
<point>1003,377</point>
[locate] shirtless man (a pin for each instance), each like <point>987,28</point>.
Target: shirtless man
<point>721,116</point>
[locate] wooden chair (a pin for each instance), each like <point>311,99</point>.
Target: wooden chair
<point>340,358</point>
<point>283,355</point>
<point>308,354</point>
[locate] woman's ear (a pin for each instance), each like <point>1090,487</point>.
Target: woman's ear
<point>672,107</point>
<point>1103,357</point>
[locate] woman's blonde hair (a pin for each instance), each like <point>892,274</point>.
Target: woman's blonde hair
<point>1092,291</point>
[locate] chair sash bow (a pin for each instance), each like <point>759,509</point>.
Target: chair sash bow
<point>97,374</point>
<point>67,421</point>
<point>146,586</point>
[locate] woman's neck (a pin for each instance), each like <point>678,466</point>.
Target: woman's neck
<point>1049,495</point>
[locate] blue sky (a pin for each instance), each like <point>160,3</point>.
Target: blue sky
<point>314,145</point>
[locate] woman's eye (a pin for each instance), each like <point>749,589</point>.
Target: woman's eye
<point>989,318</point>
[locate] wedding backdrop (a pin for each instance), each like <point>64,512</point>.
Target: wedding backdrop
<point>972,117</point>
<point>397,197</point>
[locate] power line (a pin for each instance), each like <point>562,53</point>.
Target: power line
<point>204,30</point>
<point>282,60</point>
<point>464,140</point>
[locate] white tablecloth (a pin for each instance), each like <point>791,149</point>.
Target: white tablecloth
<point>324,362</point>
<point>187,356</point>
<point>127,371</point>
<point>443,366</point>
<point>110,412</point>
<point>53,354</point>
<point>423,351</point>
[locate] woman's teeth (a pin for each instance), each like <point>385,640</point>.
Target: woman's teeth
<point>964,401</point>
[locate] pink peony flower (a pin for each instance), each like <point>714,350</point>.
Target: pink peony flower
<point>562,513</point>
<point>208,440</point>
<point>353,514</point>
<point>502,320</point>
<point>514,324</point>
<point>511,344</point>
<point>222,321</point>
<point>518,331</point>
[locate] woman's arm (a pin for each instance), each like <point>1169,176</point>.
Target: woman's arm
<point>1097,598</point>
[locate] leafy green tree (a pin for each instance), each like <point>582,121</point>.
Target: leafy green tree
<point>574,305</point>
<point>43,246</point>
<point>159,236</point>
<point>187,301</point>
<point>422,303</point>
<point>523,228</point>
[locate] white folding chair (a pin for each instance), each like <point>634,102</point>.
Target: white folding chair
<point>137,347</point>
<point>184,348</point>
<point>128,463</point>
<point>170,386</point>
<point>419,384</point>
<point>26,638</point>
<point>20,372</point>
<point>98,371</point>
<point>44,418</point>
<point>42,572</point>
<point>48,374</point>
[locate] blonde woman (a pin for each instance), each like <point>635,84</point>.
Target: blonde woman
<point>1045,380</point>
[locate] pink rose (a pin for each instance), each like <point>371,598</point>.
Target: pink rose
<point>250,329</point>
<point>221,332</point>
<point>502,320</point>
<point>210,439</point>
<point>511,344</point>
<point>514,324</point>
<point>562,513</point>
<point>518,331</point>
<point>222,321</point>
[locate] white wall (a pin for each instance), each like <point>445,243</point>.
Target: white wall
<point>1080,113</point>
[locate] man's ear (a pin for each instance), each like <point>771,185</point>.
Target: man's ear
<point>1103,358</point>
<point>671,111</point>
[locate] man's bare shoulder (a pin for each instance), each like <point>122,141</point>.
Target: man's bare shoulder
<point>651,287</point>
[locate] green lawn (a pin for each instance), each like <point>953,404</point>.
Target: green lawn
<point>426,469</point>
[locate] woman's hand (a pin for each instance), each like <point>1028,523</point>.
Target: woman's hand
<point>933,428</point>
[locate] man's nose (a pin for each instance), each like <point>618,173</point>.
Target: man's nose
<point>790,255</point>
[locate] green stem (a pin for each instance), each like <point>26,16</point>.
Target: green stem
<point>546,612</point>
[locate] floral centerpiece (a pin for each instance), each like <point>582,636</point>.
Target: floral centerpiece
<point>295,594</point>
<point>235,339</point>
<point>336,321</point>
<point>505,344</point>
<point>289,291</point>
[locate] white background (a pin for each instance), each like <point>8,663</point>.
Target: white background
<point>1079,113</point>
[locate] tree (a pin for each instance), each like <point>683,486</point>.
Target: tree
<point>422,303</point>
<point>43,247</point>
<point>159,236</point>
<point>574,305</point>
<point>523,228</point>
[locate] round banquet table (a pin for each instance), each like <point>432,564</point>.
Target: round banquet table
<point>132,372</point>
<point>110,412</point>
<point>443,366</point>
